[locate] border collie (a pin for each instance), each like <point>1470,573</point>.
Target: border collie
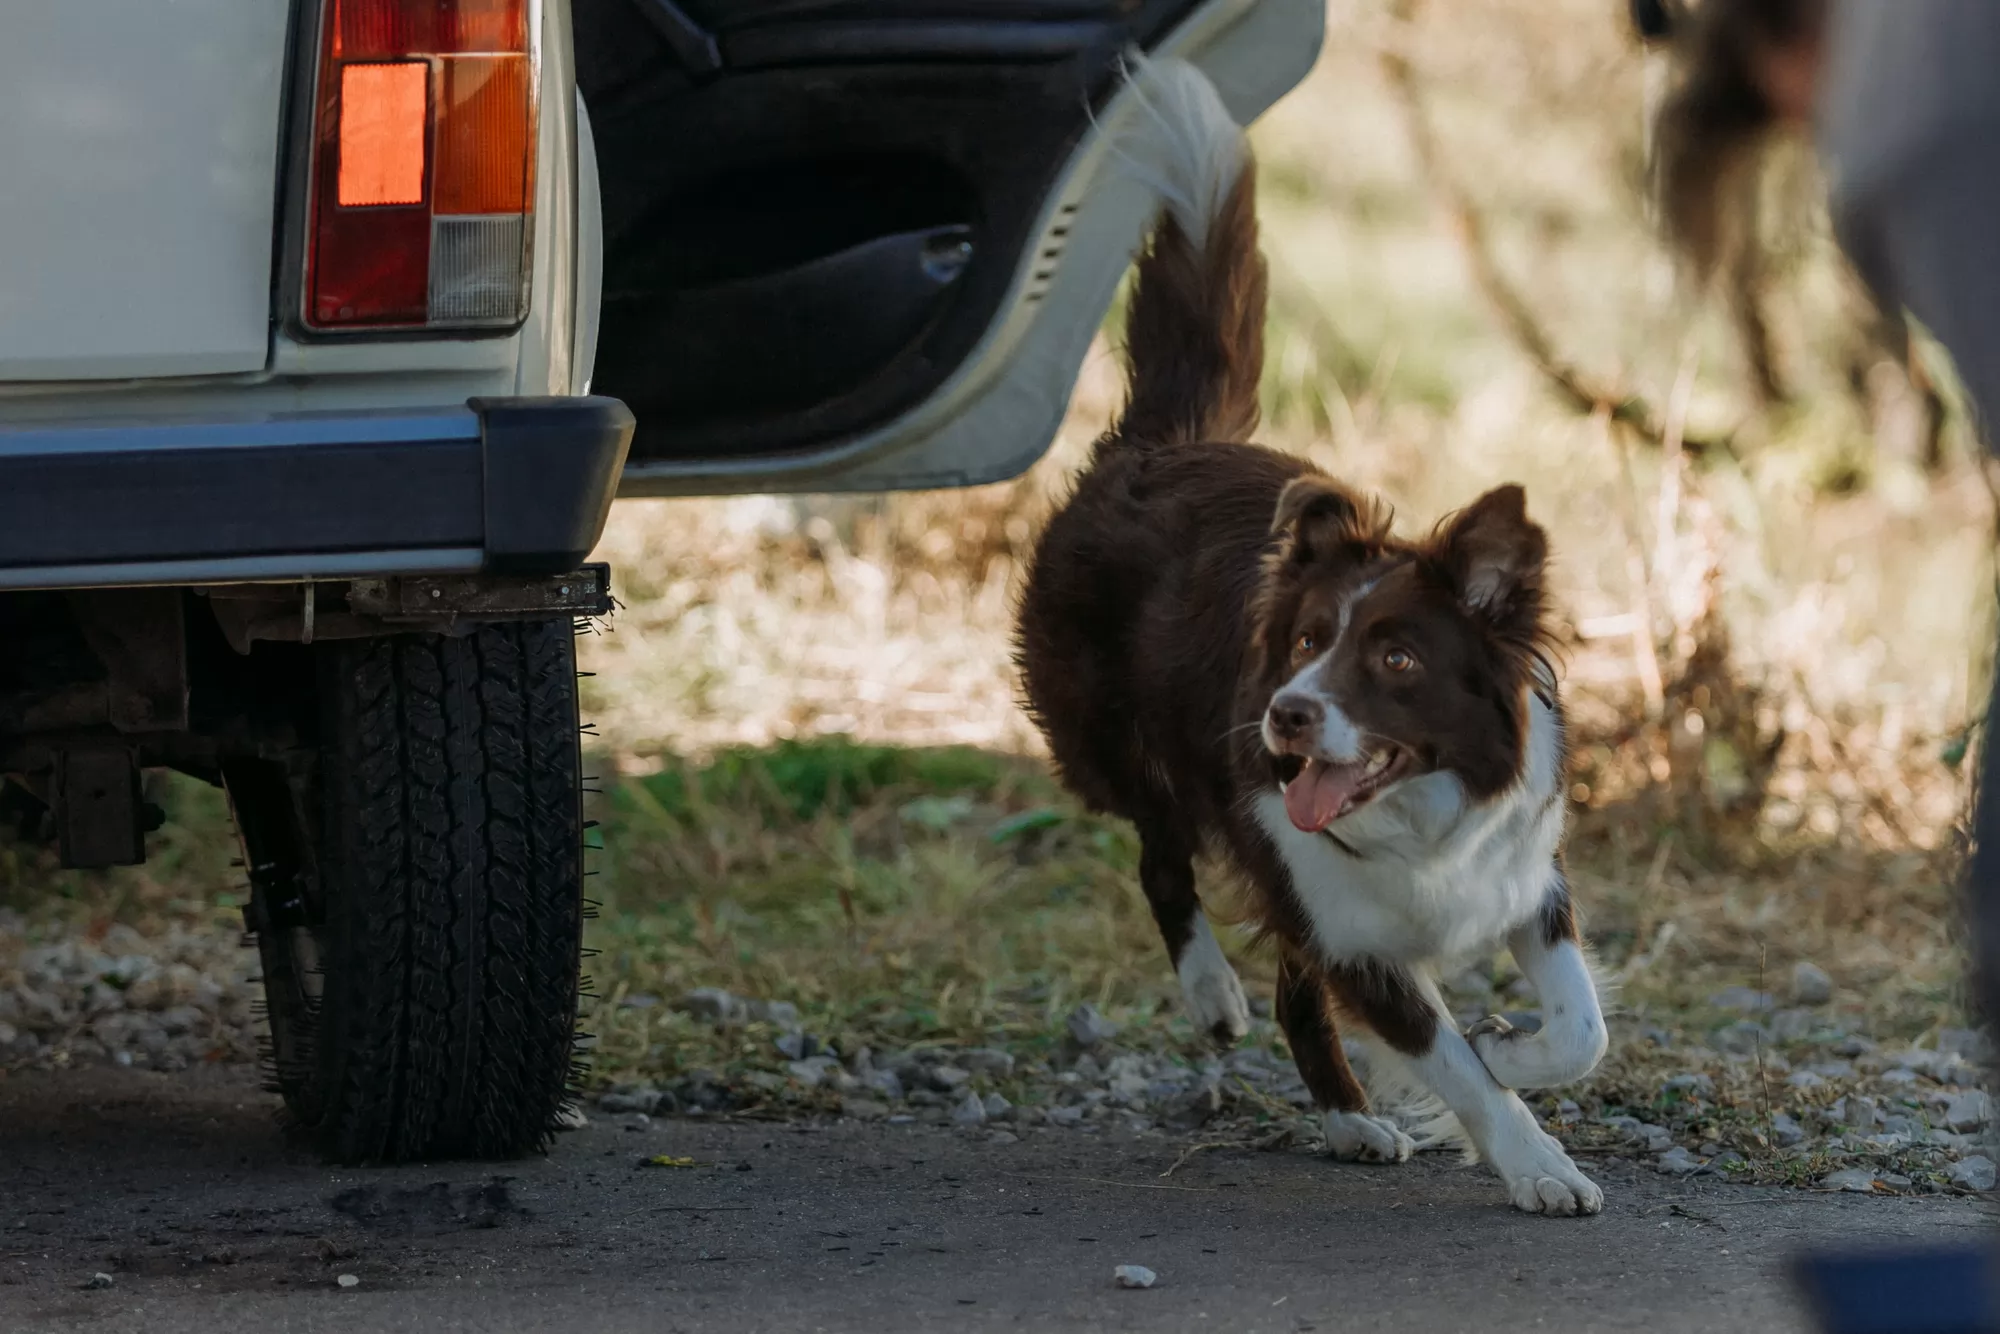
<point>1233,651</point>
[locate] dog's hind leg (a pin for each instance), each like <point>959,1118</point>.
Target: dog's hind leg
<point>1305,1012</point>
<point>1214,995</point>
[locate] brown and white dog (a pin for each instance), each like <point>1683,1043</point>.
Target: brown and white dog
<point>1231,650</point>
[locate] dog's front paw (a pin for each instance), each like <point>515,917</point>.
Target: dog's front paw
<point>1497,1043</point>
<point>1214,994</point>
<point>1542,1179</point>
<point>1519,1059</point>
<point>1356,1137</point>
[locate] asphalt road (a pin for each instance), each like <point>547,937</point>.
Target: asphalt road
<point>186,1192</point>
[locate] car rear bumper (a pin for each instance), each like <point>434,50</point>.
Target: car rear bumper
<point>504,485</point>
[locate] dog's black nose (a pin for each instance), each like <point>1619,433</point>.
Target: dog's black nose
<point>1296,716</point>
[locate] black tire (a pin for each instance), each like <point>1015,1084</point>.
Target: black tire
<point>421,974</point>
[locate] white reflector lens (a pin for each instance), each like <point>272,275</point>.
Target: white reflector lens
<point>476,269</point>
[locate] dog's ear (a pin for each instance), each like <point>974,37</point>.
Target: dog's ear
<point>1317,515</point>
<point>1493,555</point>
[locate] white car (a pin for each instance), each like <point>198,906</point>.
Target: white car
<point>329,329</point>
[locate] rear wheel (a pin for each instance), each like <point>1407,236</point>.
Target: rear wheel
<point>417,895</point>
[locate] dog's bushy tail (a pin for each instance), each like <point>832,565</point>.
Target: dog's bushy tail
<point>1195,325</point>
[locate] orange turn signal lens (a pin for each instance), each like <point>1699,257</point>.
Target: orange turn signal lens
<point>484,158</point>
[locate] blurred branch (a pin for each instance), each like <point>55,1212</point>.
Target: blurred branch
<point>1753,330</point>
<point>1622,405</point>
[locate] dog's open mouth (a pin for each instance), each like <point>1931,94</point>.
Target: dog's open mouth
<point>1322,792</point>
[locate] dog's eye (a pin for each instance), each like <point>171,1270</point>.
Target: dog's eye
<point>1307,643</point>
<point>1396,660</point>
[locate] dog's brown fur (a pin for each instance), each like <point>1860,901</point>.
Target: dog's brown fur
<point>1167,598</point>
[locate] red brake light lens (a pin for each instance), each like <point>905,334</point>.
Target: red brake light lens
<point>422,180</point>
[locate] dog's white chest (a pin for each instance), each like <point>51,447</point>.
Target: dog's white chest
<point>1424,875</point>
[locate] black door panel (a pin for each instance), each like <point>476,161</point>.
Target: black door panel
<point>813,208</point>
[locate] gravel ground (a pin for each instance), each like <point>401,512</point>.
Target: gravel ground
<point>1779,1093</point>
<point>164,1001</point>
<point>1840,1113</point>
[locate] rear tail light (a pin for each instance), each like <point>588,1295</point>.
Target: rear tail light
<point>423,165</point>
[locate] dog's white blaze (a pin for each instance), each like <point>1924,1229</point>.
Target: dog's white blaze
<point>1339,739</point>
<point>1210,986</point>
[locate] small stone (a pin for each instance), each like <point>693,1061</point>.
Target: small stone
<point>1677,1162</point>
<point>885,1082</point>
<point>1804,1079</point>
<point>1003,1137</point>
<point>713,1004</point>
<point>1196,1109</point>
<point>621,1102</point>
<point>1785,1131</point>
<point>1955,1071</point>
<point>1810,984</point>
<point>1969,1110</point>
<point>1657,1139</point>
<point>812,1073</point>
<point>1975,1173</point>
<point>997,1107</point>
<point>970,1112</point>
<point>1858,1112</point>
<point>1967,1042</point>
<point>1745,1037</point>
<point>1793,1025</point>
<point>1065,1116</point>
<point>987,1061</point>
<point>1656,1035</point>
<point>779,1014</point>
<point>793,1046</point>
<point>348,1281</point>
<point>1134,1276</point>
<point>1742,998</point>
<point>1695,1084</point>
<point>1088,1027</point>
<point>1857,1179</point>
<point>98,1282</point>
<point>1853,1045</point>
<point>949,1078</point>
<point>1568,1110</point>
<point>1900,1075</point>
<point>570,1117</point>
<point>864,1109</point>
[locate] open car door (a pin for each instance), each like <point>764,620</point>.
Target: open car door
<point>864,244</point>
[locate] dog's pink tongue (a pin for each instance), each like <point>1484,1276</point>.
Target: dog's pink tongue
<point>1313,799</point>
